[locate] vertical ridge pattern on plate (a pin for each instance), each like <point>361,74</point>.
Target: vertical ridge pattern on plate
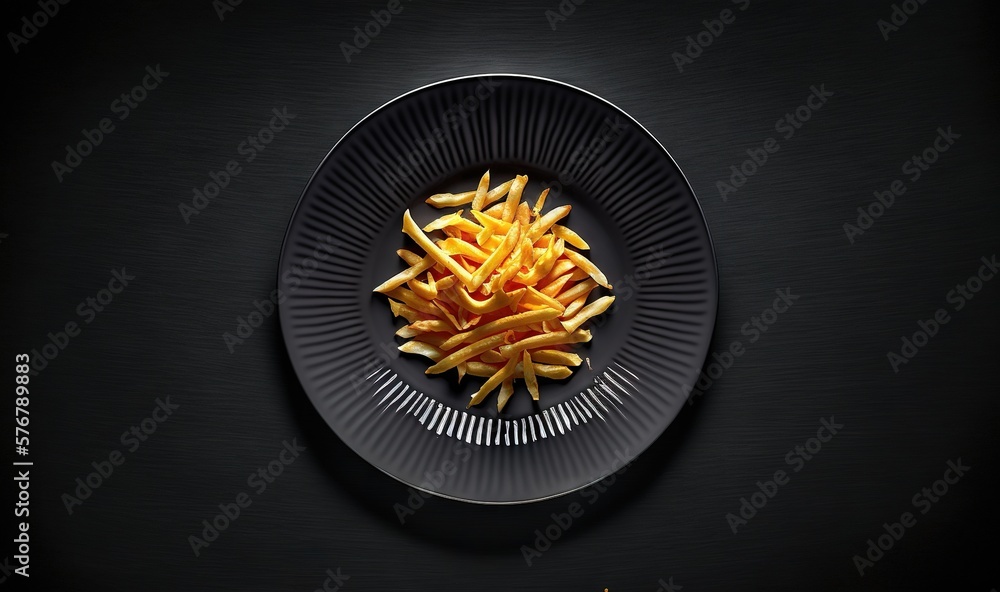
<point>649,237</point>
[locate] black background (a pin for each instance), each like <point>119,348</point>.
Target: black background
<point>665,516</point>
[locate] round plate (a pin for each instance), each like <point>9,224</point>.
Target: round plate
<point>630,202</point>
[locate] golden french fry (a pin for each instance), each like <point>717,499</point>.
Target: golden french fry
<point>465,353</point>
<point>409,298</point>
<point>410,257</point>
<point>496,210</point>
<point>469,267</point>
<point>406,332</point>
<point>422,349</point>
<point>569,236</point>
<point>562,267</point>
<point>484,186</point>
<point>529,374</point>
<point>573,307</point>
<point>455,246</point>
<point>447,314</point>
<point>543,224</point>
<point>493,381</point>
<point>586,265</point>
<point>401,310</point>
<point>553,371</point>
<point>498,192</point>
<point>591,310</point>
<point>406,275</point>
<point>537,210</point>
<point>413,231</point>
<point>544,264</point>
<point>434,339</point>
<point>513,198</point>
<point>447,200</point>
<point>581,289</point>
<point>430,326</point>
<point>535,297</point>
<point>446,282</point>
<point>492,356</point>
<point>444,221</point>
<point>555,356</point>
<point>483,236</point>
<point>515,298</point>
<point>511,322</point>
<point>506,390</point>
<point>554,287</point>
<point>491,263</point>
<point>523,215</point>
<point>494,224</point>
<point>512,349</point>
<point>427,291</point>
<point>496,301</point>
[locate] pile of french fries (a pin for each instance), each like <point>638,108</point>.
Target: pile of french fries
<point>502,295</point>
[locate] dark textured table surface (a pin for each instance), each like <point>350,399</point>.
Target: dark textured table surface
<point>663,522</point>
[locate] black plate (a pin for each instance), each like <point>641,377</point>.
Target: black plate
<point>630,202</point>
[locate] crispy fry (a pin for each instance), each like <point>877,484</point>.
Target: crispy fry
<point>447,200</point>
<point>427,291</point>
<point>446,220</point>
<point>513,198</point>
<point>465,353</point>
<point>562,267</point>
<point>434,339</point>
<point>555,286</point>
<point>494,224</point>
<point>523,215</point>
<point>569,236</point>
<point>498,192</point>
<point>496,210</point>
<point>413,231</point>
<point>535,297</point>
<point>506,390</point>
<point>491,263</point>
<point>422,349</point>
<point>553,371</point>
<point>544,264</point>
<point>542,225</point>
<point>400,309</point>
<point>512,349</point>
<point>573,307</point>
<point>529,374</point>
<point>581,289</point>
<point>492,356</point>
<point>494,302</point>
<point>429,326</point>
<point>454,246</point>
<point>410,257</point>
<point>492,382</point>
<point>586,265</point>
<point>537,210</point>
<point>555,356</point>
<point>591,310</point>
<point>511,322</point>
<point>413,301</point>
<point>481,191</point>
<point>406,275</point>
